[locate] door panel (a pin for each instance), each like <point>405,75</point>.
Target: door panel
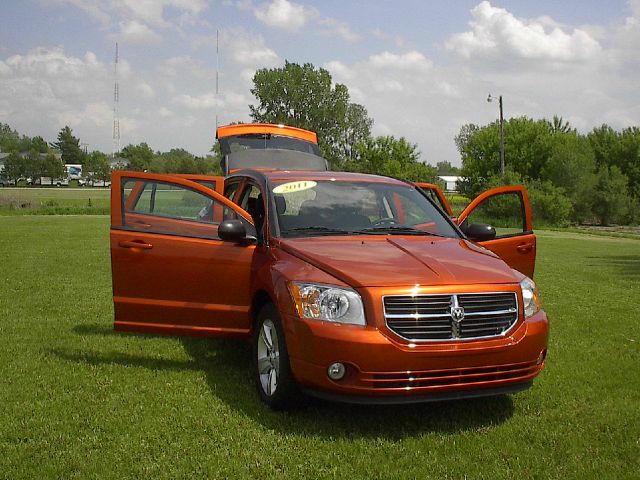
<point>171,272</point>
<point>508,210</point>
<point>436,194</point>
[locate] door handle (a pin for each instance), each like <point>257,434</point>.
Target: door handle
<point>135,244</point>
<point>142,224</point>
<point>525,247</point>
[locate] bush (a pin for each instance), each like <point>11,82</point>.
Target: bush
<point>551,207</point>
<point>611,199</point>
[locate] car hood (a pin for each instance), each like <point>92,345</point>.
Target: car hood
<point>401,260</point>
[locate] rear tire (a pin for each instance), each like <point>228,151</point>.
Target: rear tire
<point>271,368</point>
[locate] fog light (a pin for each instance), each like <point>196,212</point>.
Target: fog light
<point>336,371</point>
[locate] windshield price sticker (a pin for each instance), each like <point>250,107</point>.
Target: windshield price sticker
<point>295,186</point>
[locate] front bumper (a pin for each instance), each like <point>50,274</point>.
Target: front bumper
<point>382,369</point>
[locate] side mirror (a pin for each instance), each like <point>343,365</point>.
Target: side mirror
<point>479,232</point>
<point>232,230</point>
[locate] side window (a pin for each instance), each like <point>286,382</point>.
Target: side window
<point>410,213</point>
<point>253,203</point>
<point>434,196</point>
<point>173,201</point>
<point>231,189</point>
<point>505,212</point>
<point>167,208</point>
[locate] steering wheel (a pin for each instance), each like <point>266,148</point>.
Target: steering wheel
<point>385,221</point>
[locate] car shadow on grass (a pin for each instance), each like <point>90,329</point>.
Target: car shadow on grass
<point>627,265</point>
<point>227,366</point>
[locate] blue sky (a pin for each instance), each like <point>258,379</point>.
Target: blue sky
<point>421,68</point>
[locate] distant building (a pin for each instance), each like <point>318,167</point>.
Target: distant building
<point>450,182</point>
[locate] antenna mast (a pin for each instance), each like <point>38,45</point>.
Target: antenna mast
<point>217,66</point>
<point>116,105</point>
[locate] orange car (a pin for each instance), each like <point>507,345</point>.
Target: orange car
<point>350,287</point>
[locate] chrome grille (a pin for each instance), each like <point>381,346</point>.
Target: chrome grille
<point>430,317</point>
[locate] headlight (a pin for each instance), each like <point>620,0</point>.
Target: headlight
<point>530,297</point>
<point>327,302</point>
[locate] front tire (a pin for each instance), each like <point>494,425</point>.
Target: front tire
<point>271,368</point>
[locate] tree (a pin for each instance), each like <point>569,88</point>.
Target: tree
<point>558,125</point>
<point>69,146</point>
<point>39,145</point>
<point>357,129</point>
<point>52,166</point>
<point>97,167</point>
<point>445,168</point>
<point>572,166</point>
<point>610,195</point>
<point>34,166</point>
<point>15,167</point>
<point>392,157</point>
<point>8,138</point>
<point>303,96</point>
<point>139,156</point>
<point>527,147</point>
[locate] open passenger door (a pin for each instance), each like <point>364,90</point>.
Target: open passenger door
<point>437,195</point>
<point>508,210</point>
<point>172,274</point>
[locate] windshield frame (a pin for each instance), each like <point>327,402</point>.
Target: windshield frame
<point>274,220</point>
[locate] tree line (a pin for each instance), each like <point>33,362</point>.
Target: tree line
<point>571,178</point>
<point>33,157</point>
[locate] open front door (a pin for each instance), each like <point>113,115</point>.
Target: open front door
<point>215,183</point>
<point>172,274</point>
<point>437,195</point>
<point>508,210</point>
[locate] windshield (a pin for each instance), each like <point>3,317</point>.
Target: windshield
<point>261,141</point>
<point>312,208</point>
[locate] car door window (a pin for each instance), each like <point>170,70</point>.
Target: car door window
<point>166,208</point>
<point>252,202</point>
<point>505,212</point>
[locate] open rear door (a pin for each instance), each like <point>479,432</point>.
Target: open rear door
<point>437,195</point>
<point>508,210</point>
<point>172,274</point>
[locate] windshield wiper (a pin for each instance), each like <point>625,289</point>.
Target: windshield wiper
<point>318,230</point>
<point>399,230</point>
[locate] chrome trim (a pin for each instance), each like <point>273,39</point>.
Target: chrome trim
<point>454,298</point>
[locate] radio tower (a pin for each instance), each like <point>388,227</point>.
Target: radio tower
<point>116,102</point>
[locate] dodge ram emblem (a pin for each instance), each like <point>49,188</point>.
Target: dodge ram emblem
<point>457,314</point>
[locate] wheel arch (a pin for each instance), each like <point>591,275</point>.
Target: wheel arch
<point>260,299</point>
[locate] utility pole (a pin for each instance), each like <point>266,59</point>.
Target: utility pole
<point>490,99</point>
<point>116,107</point>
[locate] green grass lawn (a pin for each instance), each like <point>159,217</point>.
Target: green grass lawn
<point>80,401</point>
<point>54,201</point>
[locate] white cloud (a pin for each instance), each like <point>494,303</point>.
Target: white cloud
<point>410,61</point>
<point>284,15</point>
<point>331,26</point>
<point>248,49</point>
<point>199,102</point>
<point>145,90</point>
<point>148,12</point>
<point>186,65</point>
<point>497,33</point>
<point>98,114</point>
<point>138,33</point>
